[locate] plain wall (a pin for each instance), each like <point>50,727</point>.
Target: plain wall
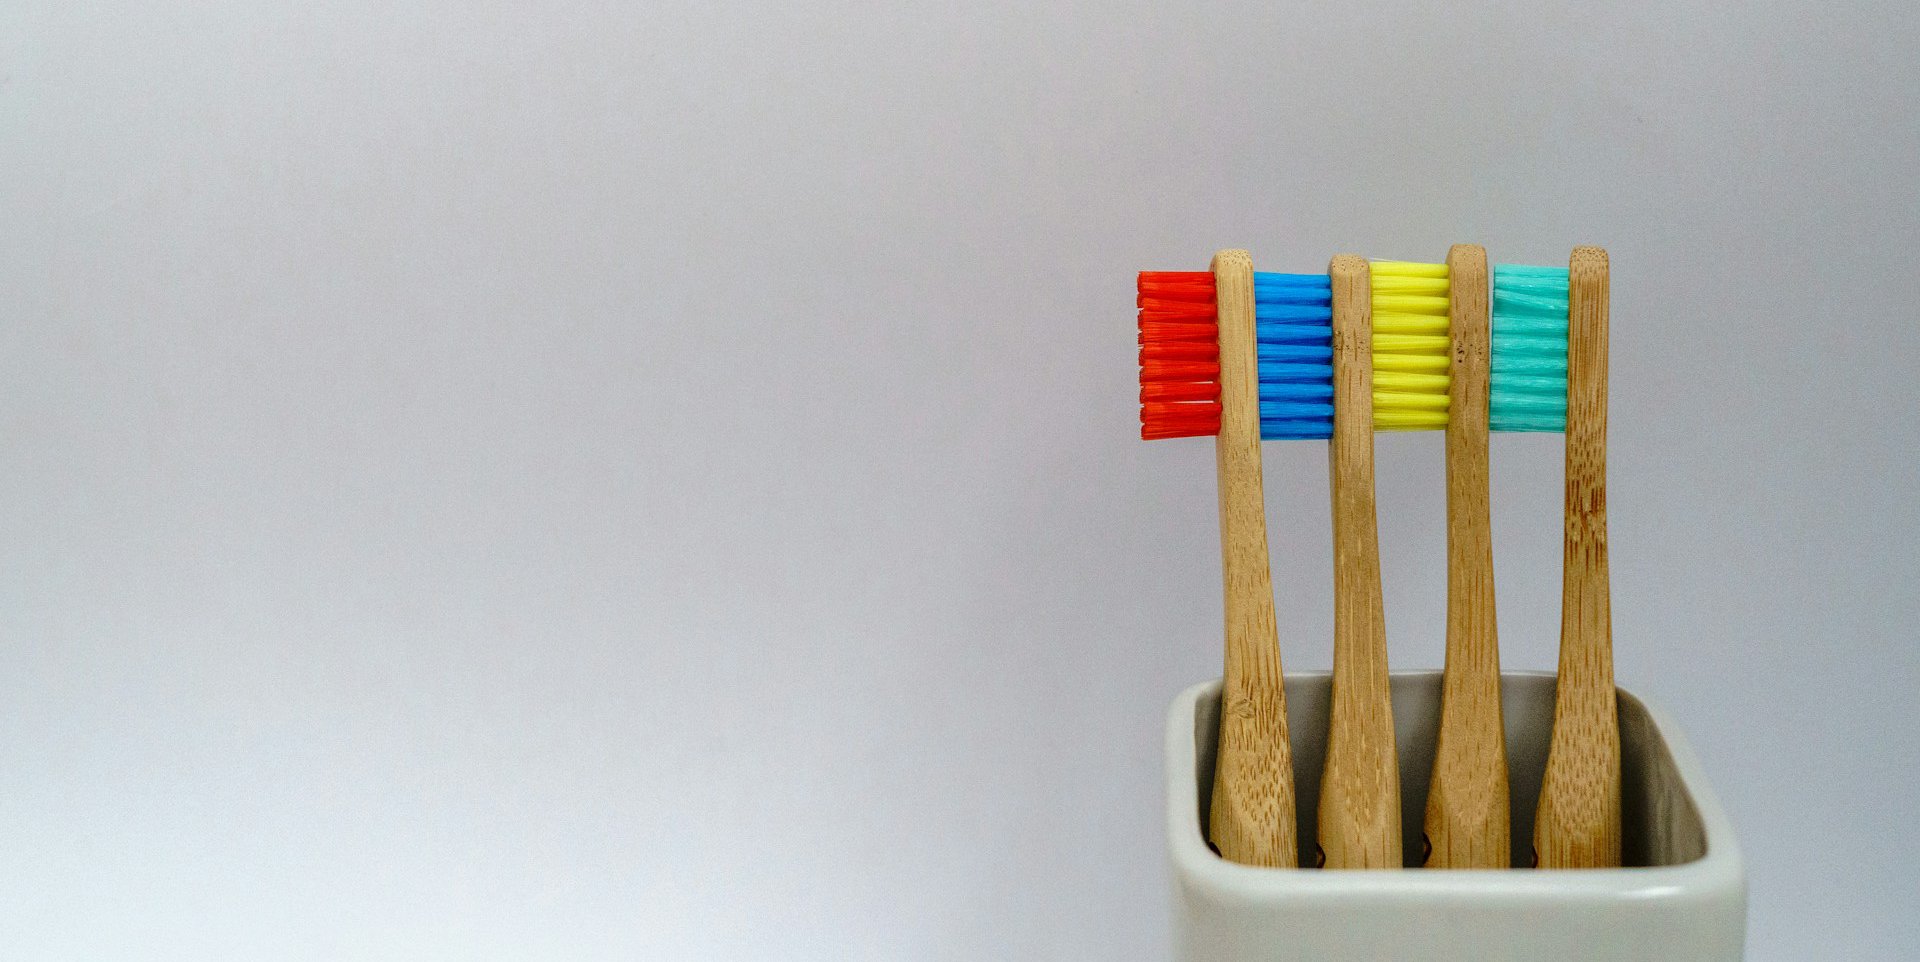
<point>594,480</point>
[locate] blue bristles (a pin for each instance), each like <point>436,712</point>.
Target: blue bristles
<point>1293,322</point>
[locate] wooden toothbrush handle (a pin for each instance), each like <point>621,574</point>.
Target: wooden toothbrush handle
<point>1578,825</point>
<point>1252,818</point>
<point>1467,807</point>
<point>1360,787</point>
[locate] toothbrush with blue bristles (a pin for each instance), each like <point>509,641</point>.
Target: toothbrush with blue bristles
<point>1359,813</point>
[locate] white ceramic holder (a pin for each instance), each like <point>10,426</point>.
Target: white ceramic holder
<point>1681,898</point>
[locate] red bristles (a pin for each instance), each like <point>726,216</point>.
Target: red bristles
<point>1181,421</point>
<point>1178,391</point>
<point>1179,355</point>
<point>1204,372</point>
<point>1205,332</point>
<point>1178,351</point>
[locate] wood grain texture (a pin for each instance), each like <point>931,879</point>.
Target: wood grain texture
<point>1467,807</point>
<point>1360,787</point>
<point>1578,825</point>
<point>1252,819</point>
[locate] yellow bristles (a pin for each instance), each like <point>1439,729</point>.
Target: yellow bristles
<point>1410,346</point>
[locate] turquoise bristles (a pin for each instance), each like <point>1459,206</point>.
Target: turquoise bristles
<point>1293,323</point>
<point>1529,376</point>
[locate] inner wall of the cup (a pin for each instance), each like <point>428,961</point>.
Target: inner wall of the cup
<point>1659,822</point>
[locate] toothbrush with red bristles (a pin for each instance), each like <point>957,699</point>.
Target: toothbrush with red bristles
<point>1241,356</point>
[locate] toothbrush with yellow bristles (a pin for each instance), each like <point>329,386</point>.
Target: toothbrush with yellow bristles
<point>1410,346</point>
<point>1467,817</point>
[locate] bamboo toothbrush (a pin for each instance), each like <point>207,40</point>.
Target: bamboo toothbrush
<point>1252,817</point>
<point>1578,824</point>
<point>1467,822</point>
<point>1360,787</point>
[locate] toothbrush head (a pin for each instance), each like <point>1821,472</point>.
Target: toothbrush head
<point>1411,346</point>
<point>1529,379</point>
<point>1179,355</point>
<point>1293,322</point>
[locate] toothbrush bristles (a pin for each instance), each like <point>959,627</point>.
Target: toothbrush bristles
<point>1179,355</point>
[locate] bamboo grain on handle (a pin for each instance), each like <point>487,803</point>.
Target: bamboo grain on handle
<point>1252,819</point>
<point>1360,786</point>
<point>1467,807</point>
<point>1578,825</point>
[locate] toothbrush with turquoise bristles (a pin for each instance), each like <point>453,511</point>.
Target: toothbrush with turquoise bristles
<point>1578,822</point>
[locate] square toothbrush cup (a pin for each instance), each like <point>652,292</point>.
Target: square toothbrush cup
<point>1681,896</point>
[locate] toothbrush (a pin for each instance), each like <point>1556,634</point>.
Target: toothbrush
<point>1359,823</point>
<point>1578,823</point>
<point>1467,823</point>
<point>1252,820</point>
<point>1205,369</point>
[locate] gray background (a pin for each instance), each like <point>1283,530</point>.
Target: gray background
<point>588,480</point>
